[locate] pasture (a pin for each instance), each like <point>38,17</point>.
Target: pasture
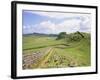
<point>47,52</point>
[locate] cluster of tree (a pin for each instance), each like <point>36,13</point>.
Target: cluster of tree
<point>77,36</point>
<point>61,35</point>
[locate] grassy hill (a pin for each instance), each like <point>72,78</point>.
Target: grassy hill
<point>71,51</point>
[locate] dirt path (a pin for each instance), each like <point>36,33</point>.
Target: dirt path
<point>71,60</point>
<point>42,63</point>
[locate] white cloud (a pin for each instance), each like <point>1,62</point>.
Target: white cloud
<point>26,29</point>
<point>69,26</point>
<point>45,27</point>
<point>76,22</point>
<point>50,27</point>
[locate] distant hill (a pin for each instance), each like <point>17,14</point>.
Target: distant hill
<point>41,34</point>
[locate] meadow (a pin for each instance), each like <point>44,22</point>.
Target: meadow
<point>46,51</point>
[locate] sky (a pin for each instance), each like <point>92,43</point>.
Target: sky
<point>55,22</point>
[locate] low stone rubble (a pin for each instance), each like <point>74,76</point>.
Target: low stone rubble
<point>30,59</point>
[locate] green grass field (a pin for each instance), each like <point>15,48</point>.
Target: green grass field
<point>48,52</point>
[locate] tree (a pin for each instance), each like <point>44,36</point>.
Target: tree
<point>80,34</point>
<point>61,35</point>
<point>77,36</point>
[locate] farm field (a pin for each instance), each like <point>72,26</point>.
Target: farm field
<point>47,52</point>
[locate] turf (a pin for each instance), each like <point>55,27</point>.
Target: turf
<point>63,54</point>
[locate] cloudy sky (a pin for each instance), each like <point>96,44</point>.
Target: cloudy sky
<point>54,22</point>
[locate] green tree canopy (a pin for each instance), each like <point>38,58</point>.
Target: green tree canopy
<point>61,35</point>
